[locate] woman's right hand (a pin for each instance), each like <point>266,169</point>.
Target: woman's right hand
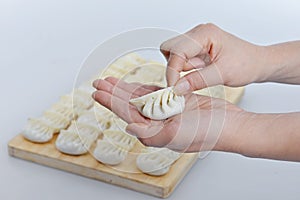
<point>219,57</point>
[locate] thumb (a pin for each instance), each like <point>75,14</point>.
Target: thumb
<point>199,79</point>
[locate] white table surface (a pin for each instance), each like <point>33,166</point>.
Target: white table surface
<point>42,45</point>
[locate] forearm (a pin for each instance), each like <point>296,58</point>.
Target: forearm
<point>274,136</point>
<point>282,63</point>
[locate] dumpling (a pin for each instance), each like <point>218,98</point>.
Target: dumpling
<point>37,131</point>
<point>77,139</point>
<point>65,110</point>
<point>148,73</point>
<point>123,65</point>
<point>55,120</point>
<point>72,143</point>
<point>90,118</point>
<point>118,124</point>
<point>120,139</point>
<point>156,161</point>
<point>160,105</point>
<point>108,153</point>
<point>87,87</point>
<point>82,99</point>
<point>84,129</point>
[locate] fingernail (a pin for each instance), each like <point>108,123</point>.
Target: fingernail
<point>182,87</point>
<point>94,95</point>
<point>96,83</point>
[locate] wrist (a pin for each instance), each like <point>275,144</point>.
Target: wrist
<point>264,63</point>
<point>231,139</point>
<point>281,63</point>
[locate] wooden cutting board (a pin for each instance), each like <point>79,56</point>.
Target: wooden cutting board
<point>86,165</point>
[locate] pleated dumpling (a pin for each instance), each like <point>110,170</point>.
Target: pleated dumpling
<point>156,161</point>
<point>73,143</point>
<point>65,110</point>
<point>119,139</point>
<point>55,120</point>
<point>109,153</point>
<point>160,105</point>
<point>36,130</point>
<point>90,118</point>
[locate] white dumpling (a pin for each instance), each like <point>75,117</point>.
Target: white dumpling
<point>55,120</point>
<point>82,99</point>
<point>123,65</point>
<point>84,129</point>
<point>65,110</point>
<point>118,124</point>
<point>101,111</point>
<point>148,73</point>
<point>119,139</point>
<point>107,153</point>
<point>37,131</point>
<point>160,105</point>
<point>91,119</point>
<point>87,87</point>
<point>156,161</point>
<point>164,151</point>
<point>154,164</point>
<point>71,143</point>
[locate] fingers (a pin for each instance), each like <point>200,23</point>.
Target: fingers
<point>122,108</point>
<point>194,63</point>
<point>112,95</point>
<point>151,135</point>
<point>178,51</point>
<point>206,77</point>
<point>112,89</point>
<point>136,89</point>
<point>175,66</point>
<point>194,49</point>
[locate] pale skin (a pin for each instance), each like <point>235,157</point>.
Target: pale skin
<point>219,58</point>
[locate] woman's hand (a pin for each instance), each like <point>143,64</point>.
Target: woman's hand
<point>205,124</point>
<point>219,57</point>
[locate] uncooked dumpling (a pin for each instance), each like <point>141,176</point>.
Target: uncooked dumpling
<point>65,110</point>
<point>108,153</point>
<point>148,73</point>
<point>72,143</point>
<point>55,120</point>
<point>156,161</point>
<point>82,99</point>
<point>37,131</point>
<point>160,105</point>
<point>123,65</point>
<point>119,139</point>
<point>91,119</point>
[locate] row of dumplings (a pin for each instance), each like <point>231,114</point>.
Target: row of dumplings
<point>58,117</point>
<point>79,125</point>
<point>70,106</point>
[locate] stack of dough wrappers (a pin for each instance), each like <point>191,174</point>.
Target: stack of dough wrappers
<point>85,126</point>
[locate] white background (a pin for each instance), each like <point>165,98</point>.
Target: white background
<point>42,44</point>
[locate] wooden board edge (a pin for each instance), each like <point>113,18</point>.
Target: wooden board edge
<point>90,173</point>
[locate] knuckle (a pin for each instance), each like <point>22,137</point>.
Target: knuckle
<point>211,26</point>
<point>163,46</point>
